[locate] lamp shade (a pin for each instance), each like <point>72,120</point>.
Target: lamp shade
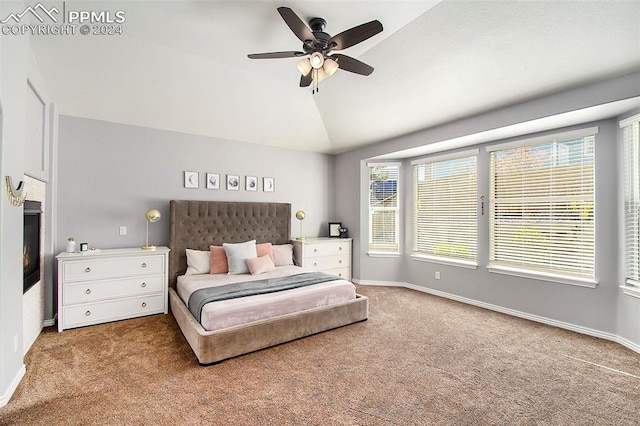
<point>304,66</point>
<point>153,215</point>
<point>318,75</point>
<point>316,59</point>
<point>330,67</point>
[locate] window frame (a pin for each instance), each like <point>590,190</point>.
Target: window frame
<point>631,194</point>
<point>372,250</point>
<point>461,261</point>
<point>539,273</point>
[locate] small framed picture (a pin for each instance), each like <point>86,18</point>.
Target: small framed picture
<point>84,246</point>
<point>251,183</point>
<point>191,179</point>
<point>213,181</point>
<point>334,229</point>
<point>233,183</point>
<point>268,184</point>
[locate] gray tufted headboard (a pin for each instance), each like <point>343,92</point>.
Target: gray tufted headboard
<point>199,224</point>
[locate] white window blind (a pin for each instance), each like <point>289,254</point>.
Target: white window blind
<point>445,206</point>
<point>631,142</point>
<point>542,206</point>
<point>383,207</point>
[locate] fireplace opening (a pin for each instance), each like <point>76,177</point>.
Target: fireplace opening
<point>31,246</point>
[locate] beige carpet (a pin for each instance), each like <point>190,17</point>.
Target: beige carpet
<point>419,359</point>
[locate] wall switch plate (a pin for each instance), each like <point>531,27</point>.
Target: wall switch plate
<point>437,275</point>
<point>123,230</point>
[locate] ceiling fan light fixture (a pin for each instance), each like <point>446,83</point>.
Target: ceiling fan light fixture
<point>304,66</point>
<point>318,75</point>
<point>317,60</point>
<point>330,67</point>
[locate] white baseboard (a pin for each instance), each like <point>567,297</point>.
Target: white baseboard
<point>50,322</point>
<point>560,324</point>
<point>6,396</point>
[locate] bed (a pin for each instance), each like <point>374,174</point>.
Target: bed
<point>196,225</point>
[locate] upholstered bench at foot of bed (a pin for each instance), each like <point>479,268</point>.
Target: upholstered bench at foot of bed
<point>215,346</point>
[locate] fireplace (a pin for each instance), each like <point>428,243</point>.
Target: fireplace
<point>31,246</point>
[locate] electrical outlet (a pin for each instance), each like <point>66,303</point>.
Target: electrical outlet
<point>123,230</point>
<point>437,275</point>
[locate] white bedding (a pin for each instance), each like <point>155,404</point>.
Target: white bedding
<point>228,313</point>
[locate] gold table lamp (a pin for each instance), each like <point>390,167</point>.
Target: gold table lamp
<point>300,215</point>
<point>152,215</point>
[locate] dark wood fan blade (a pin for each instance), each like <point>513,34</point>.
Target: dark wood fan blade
<point>347,63</point>
<point>276,55</point>
<point>305,80</point>
<point>298,27</point>
<point>355,35</point>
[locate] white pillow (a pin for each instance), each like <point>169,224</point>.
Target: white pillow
<point>237,254</point>
<point>198,262</point>
<point>282,254</point>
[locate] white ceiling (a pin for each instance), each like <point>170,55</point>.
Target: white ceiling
<point>183,66</point>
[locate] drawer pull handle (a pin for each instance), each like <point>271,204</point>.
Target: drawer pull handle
<point>340,274</point>
<point>144,265</point>
<point>87,313</point>
<point>87,269</point>
<point>144,304</point>
<point>339,248</point>
<point>340,261</point>
<point>144,284</point>
<point>88,291</point>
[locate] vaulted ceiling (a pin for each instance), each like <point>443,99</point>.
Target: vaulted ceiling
<point>183,66</point>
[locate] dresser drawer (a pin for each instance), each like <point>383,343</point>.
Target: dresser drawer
<point>343,273</point>
<point>324,263</point>
<point>93,313</point>
<point>92,291</point>
<point>326,249</point>
<point>92,269</point>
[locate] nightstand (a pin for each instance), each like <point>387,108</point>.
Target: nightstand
<point>330,255</point>
<point>109,285</point>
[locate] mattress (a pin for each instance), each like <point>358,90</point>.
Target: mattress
<point>228,313</point>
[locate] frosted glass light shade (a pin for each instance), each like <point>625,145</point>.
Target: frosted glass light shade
<point>318,75</point>
<point>304,66</point>
<point>330,67</point>
<point>316,60</point>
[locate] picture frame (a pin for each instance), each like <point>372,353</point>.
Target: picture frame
<point>233,183</point>
<point>213,180</point>
<point>191,179</point>
<point>250,183</point>
<point>268,184</point>
<point>334,229</point>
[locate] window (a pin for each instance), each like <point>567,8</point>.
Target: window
<point>631,142</point>
<point>383,207</point>
<point>445,215</point>
<point>542,206</point>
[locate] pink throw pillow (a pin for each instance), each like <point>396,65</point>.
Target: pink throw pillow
<point>219,262</point>
<point>260,265</point>
<point>264,249</point>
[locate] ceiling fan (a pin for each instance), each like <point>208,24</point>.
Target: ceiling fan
<point>318,46</point>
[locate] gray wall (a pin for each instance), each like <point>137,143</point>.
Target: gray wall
<point>586,309</point>
<point>110,174</point>
<point>13,76</point>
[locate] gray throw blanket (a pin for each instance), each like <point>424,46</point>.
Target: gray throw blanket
<point>201,297</point>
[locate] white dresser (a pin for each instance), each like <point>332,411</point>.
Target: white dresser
<point>330,255</point>
<point>109,285</point>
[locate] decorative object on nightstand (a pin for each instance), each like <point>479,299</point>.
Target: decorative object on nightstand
<point>99,286</point>
<point>153,215</point>
<point>334,229</point>
<point>71,245</point>
<point>325,254</point>
<point>344,232</point>
<point>300,215</point>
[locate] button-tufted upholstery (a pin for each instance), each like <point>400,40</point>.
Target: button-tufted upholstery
<point>198,224</point>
